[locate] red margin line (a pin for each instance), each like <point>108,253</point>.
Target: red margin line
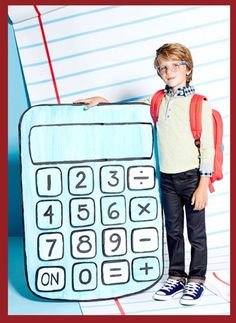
<point>215,275</point>
<point>122,312</point>
<point>48,54</point>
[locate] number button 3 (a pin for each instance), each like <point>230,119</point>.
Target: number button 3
<point>112,179</point>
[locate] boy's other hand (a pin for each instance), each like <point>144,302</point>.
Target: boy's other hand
<point>92,101</point>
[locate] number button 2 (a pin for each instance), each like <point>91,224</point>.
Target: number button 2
<point>112,179</point>
<point>80,180</point>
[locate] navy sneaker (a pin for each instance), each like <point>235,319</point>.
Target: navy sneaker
<point>169,289</point>
<point>192,293</point>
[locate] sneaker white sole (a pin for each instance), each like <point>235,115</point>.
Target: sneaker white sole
<point>157,297</point>
<point>190,302</point>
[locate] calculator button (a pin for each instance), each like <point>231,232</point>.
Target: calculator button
<point>143,208</point>
<point>50,246</point>
<point>49,214</point>
<point>82,212</point>
<point>114,242</point>
<point>49,181</point>
<point>83,244</point>
<point>50,279</point>
<point>145,268</point>
<point>141,177</point>
<point>112,179</point>
<point>80,180</point>
<point>84,276</point>
<point>113,210</point>
<point>144,240</point>
<point>115,272</point>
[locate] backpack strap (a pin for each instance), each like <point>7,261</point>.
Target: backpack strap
<point>195,116</point>
<point>155,104</point>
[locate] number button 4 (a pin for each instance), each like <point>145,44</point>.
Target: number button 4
<point>49,214</point>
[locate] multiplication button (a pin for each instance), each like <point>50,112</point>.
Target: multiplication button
<point>143,208</point>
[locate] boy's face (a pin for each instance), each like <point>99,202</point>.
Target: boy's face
<point>173,72</point>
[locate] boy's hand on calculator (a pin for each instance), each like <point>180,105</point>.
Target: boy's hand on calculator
<point>92,101</point>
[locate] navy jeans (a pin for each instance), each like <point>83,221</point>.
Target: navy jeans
<point>176,192</point>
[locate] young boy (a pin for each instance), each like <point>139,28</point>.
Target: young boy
<point>184,173</point>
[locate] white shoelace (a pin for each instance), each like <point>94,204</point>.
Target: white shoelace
<point>170,283</point>
<point>191,288</point>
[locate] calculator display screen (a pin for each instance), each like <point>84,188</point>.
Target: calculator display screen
<point>63,143</point>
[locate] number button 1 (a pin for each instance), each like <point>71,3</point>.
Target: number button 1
<point>81,180</point>
<point>49,181</point>
<point>112,179</point>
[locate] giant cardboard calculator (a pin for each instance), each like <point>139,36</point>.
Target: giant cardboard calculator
<point>91,208</point>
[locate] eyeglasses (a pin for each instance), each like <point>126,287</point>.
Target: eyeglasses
<point>174,67</point>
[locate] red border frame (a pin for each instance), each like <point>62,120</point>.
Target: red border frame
<point>4,167</point>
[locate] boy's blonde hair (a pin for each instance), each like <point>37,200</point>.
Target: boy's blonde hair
<point>175,51</point>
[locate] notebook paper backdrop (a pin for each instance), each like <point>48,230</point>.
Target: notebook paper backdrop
<point>70,52</point>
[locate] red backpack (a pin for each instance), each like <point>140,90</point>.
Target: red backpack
<point>195,113</point>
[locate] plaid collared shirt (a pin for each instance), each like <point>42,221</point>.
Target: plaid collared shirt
<point>183,91</point>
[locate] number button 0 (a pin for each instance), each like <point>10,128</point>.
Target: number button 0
<point>49,181</point>
<point>112,179</point>
<point>49,214</point>
<point>80,180</point>
<point>84,276</point>
<point>50,246</point>
<point>83,244</point>
<point>113,210</point>
<point>82,212</point>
